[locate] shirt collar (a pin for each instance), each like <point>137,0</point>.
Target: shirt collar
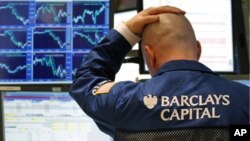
<point>190,65</point>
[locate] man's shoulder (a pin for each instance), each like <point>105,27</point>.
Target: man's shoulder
<point>235,84</point>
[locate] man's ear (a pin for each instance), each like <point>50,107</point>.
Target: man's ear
<point>151,58</point>
<point>198,48</point>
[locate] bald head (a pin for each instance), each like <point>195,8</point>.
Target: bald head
<point>172,30</point>
<point>171,38</point>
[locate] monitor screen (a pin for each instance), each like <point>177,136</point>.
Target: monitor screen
<point>46,116</point>
<point>212,23</point>
<point>123,16</point>
<point>44,41</point>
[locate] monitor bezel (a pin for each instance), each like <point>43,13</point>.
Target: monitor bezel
<point>2,137</point>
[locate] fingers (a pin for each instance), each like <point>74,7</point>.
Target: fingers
<point>150,19</point>
<point>150,15</point>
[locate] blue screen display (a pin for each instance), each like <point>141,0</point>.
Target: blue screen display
<point>85,39</point>
<point>53,13</point>
<point>14,13</point>
<point>89,13</point>
<point>77,60</point>
<point>13,66</point>
<point>44,41</point>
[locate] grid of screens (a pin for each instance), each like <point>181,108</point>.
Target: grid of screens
<point>46,116</point>
<point>44,41</point>
<point>212,22</point>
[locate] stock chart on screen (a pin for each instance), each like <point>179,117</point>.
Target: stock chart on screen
<point>44,41</point>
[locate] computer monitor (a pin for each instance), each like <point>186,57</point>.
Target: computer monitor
<point>46,116</point>
<point>44,41</point>
<point>123,16</point>
<point>214,23</point>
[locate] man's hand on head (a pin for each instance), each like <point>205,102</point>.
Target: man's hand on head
<point>149,15</point>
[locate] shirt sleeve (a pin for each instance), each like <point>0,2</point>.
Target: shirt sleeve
<point>127,33</point>
<point>101,65</point>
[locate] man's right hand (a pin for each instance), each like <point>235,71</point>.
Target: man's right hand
<point>149,15</point>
